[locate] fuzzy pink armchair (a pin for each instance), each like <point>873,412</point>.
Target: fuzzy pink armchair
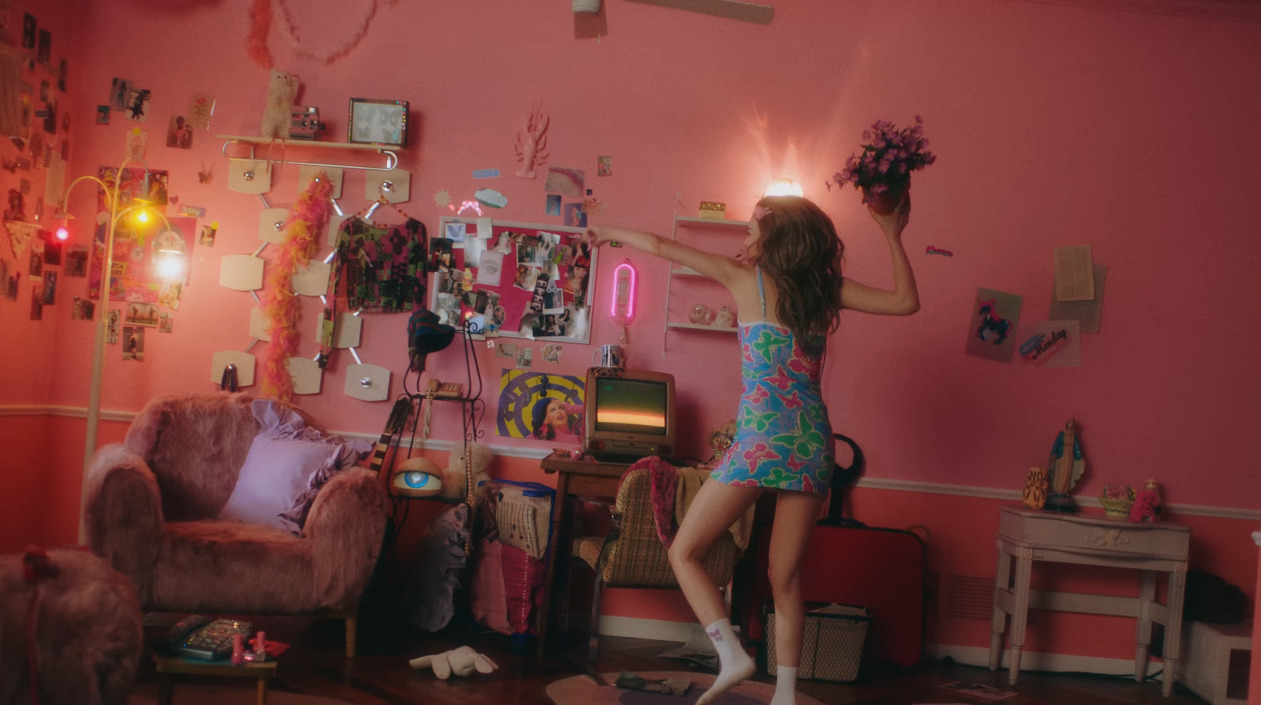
<point>154,507</point>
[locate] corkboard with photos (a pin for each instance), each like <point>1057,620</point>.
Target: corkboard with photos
<point>523,280</point>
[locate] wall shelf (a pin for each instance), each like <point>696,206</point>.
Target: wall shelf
<point>724,229</point>
<point>391,158</point>
<point>694,326</point>
<point>711,221</point>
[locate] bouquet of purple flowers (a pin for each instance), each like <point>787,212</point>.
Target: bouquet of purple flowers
<point>888,157</point>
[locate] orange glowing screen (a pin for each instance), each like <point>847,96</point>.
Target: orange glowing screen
<point>633,418</point>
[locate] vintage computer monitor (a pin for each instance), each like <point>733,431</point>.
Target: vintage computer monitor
<point>629,414</point>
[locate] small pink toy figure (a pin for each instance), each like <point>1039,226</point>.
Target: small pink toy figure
<point>1146,502</point>
<point>238,649</point>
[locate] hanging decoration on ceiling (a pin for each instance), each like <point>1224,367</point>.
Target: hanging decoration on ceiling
<point>261,16</point>
<point>307,218</point>
<point>531,145</point>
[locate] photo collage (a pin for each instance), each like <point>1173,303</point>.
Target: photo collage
<point>510,280</point>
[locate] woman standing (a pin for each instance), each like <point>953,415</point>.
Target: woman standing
<point>790,292</point>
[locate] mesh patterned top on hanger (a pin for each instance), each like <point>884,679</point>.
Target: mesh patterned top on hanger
<point>384,266</point>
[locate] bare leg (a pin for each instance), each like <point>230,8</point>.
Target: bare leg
<point>795,516</point>
<point>715,508</point>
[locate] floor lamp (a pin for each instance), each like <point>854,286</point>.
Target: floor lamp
<point>138,207</point>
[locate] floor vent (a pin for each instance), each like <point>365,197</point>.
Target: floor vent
<point>971,597</point>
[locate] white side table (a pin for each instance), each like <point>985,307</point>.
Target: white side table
<point>1090,538</point>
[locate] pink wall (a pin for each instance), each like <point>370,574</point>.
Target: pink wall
<point>1055,125</point>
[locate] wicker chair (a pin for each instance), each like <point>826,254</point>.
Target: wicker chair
<point>632,555</point>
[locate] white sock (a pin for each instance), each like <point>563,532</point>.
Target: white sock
<point>734,665</point>
<point>785,686</point>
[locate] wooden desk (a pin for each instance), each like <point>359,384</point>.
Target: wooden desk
<point>1090,538</point>
<point>585,478</point>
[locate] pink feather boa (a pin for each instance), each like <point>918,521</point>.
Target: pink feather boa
<point>280,305</point>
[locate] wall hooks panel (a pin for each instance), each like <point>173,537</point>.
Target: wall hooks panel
<point>367,382</point>
<point>271,225</point>
<point>244,366</point>
<point>394,186</point>
<point>241,272</point>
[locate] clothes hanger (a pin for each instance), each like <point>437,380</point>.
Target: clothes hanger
<point>366,213</point>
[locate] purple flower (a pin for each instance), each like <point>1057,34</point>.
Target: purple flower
<point>888,155</point>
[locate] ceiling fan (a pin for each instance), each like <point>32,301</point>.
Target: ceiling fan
<point>731,9</point>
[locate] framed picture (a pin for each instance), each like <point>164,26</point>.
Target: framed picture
<point>382,122</point>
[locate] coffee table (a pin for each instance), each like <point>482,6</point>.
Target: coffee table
<point>171,666</point>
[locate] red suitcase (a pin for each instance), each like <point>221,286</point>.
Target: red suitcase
<point>884,570</point>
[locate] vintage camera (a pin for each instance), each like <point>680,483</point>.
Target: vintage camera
<point>305,123</point>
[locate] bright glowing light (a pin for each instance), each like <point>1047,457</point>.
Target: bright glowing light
<point>63,233</point>
<point>784,187</point>
<point>623,310</point>
<point>170,265</point>
<point>142,215</point>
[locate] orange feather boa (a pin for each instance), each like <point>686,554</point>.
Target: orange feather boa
<point>280,305</point>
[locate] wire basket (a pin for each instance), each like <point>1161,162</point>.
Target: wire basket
<point>831,645</point>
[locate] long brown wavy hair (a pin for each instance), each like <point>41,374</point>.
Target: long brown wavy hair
<point>801,254</point>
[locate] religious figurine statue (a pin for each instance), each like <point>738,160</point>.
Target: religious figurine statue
<point>1065,468</point>
<point>1034,494</point>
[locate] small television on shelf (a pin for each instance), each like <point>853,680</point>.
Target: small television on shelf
<point>629,414</point>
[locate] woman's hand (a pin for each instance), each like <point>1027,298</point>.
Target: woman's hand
<point>894,223</point>
<point>598,236</point>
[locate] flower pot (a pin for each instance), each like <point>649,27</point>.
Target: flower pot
<point>886,202</point>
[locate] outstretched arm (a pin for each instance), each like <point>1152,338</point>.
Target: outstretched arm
<point>714,266</point>
<point>903,300</point>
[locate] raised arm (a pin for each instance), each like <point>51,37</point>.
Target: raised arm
<point>719,267</point>
<point>903,300</point>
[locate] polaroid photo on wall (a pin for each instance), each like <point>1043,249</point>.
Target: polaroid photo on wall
<point>141,314</point>
<point>50,288</point>
<point>490,271</point>
<point>113,318</point>
<point>133,343</point>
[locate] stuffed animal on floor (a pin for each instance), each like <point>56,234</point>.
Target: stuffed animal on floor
<point>282,93</point>
<point>453,476</point>
<point>1146,502</point>
<point>461,661</point>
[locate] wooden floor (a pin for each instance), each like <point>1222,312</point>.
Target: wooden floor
<point>380,675</point>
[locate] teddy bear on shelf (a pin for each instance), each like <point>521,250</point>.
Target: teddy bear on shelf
<point>1146,502</point>
<point>282,92</point>
<point>725,318</point>
<point>461,661</point>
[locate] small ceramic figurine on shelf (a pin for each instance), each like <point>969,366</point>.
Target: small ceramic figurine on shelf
<point>1065,468</point>
<point>725,318</point>
<point>1146,502</point>
<point>1034,494</point>
<point>1117,500</point>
